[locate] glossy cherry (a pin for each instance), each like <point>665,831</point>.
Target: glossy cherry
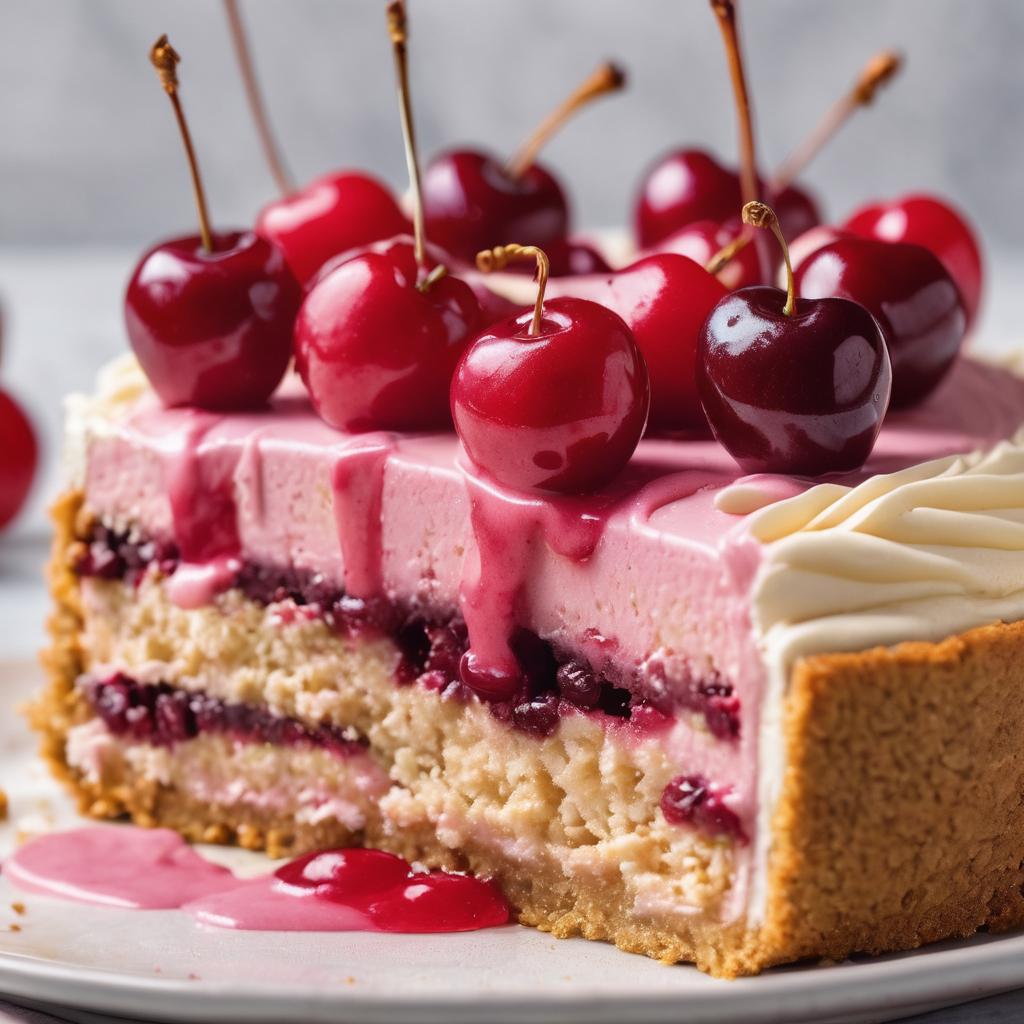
<point>474,201</point>
<point>664,299</point>
<point>330,215</point>
<point>555,399</point>
<point>908,291</point>
<point>377,338</point>
<point>376,345</point>
<point>793,385</point>
<point>210,316</point>
<point>345,875</point>
<point>20,458</point>
<point>935,224</point>
<point>705,239</point>
<point>570,258</point>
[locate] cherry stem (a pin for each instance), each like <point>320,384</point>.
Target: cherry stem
<point>243,53</point>
<point>725,11</point>
<point>489,260</point>
<point>605,79</point>
<point>165,59</point>
<point>761,215</point>
<point>398,30</point>
<point>878,71</point>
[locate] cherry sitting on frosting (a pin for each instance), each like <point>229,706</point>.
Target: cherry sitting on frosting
<point>792,386</point>
<point>553,400</point>
<point>210,316</point>
<point>473,201</point>
<point>931,222</point>
<point>664,299</point>
<point>21,455</point>
<point>332,214</point>
<point>377,338</point>
<point>916,303</point>
<point>376,342</point>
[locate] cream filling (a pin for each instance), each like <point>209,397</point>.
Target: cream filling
<point>922,554</point>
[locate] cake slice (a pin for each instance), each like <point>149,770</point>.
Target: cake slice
<point>761,719</point>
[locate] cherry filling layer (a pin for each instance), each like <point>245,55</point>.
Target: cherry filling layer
<point>162,715</point>
<point>555,682</point>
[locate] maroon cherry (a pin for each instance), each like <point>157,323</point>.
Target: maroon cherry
<point>377,338</point>
<point>21,455</point>
<point>935,224</point>
<point>210,317</point>
<point>792,386</point>
<point>909,292</point>
<point>473,201</point>
<point>664,300</point>
<point>330,215</point>
<point>570,258</point>
<point>553,400</point>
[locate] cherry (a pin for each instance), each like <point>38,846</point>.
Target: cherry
<point>571,258</point>
<point>21,455</point>
<point>377,338</point>
<point>792,386</point>
<point>556,399</point>
<point>909,292</point>
<point>806,245</point>
<point>344,875</point>
<point>935,224</point>
<point>439,903</point>
<point>473,201</point>
<point>210,316</point>
<point>704,240</point>
<point>664,300</point>
<point>376,344</point>
<point>330,215</point>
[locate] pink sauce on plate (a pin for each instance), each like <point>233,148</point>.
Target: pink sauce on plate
<point>327,891</point>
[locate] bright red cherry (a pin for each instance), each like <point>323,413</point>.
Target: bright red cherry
<point>808,243</point>
<point>792,386</point>
<point>440,903</point>
<point>935,224</point>
<point>570,258</point>
<point>474,201</point>
<point>330,215</point>
<point>553,400</point>
<point>909,292</point>
<point>376,344</point>
<point>377,338</point>
<point>210,316</point>
<point>213,328</point>
<point>21,454</point>
<point>664,300</point>
<point>353,876</point>
<point>705,239</point>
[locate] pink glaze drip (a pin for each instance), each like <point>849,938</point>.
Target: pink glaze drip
<point>357,480</point>
<point>195,584</point>
<point>329,891</point>
<point>143,869</point>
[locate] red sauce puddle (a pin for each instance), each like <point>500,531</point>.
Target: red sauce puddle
<point>328,891</point>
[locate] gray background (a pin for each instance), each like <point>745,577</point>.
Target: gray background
<point>88,152</point>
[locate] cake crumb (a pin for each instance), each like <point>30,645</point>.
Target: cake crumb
<point>14,927</point>
<point>350,980</point>
<point>192,976</point>
<point>18,907</point>
<point>3,805</point>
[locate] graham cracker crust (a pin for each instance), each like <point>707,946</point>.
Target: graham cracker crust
<point>899,822</point>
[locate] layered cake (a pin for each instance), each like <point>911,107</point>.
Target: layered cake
<point>699,633</point>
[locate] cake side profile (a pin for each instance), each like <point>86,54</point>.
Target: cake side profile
<point>689,714</point>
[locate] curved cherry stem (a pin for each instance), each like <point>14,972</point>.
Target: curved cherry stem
<point>489,260</point>
<point>605,79</point>
<point>254,97</point>
<point>761,215</point>
<point>165,60</point>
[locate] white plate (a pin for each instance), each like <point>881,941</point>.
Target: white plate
<point>158,965</point>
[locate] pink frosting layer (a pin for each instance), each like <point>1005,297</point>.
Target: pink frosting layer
<point>646,573</point>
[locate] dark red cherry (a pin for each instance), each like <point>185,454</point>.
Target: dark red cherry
<point>570,258</point>
<point>690,185</point>
<point>561,409</point>
<point>935,224</point>
<point>345,876</point>
<point>802,394</point>
<point>20,457</point>
<point>375,350</point>
<point>916,303</point>
<point>664,299</point>
<point>213,329</point>
<point>704,239</point>
<point>471,202</point>
<point>330,215</point>
<point>804,246</point>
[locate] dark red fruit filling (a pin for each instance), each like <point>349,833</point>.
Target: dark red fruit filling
<point>692,800</point>
<point>553,682</point>
<point>159,714</point>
